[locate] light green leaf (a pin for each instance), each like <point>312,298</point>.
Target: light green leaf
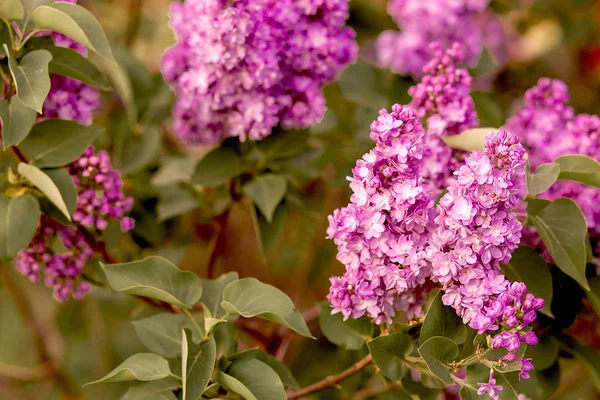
<point>68,62</point>
<point>218,167</point>
<point>45,184</point>
<point>258,380</point>
<point>20,219</point>
<point>17,120</point>
<point>284,373</point>
<point>25,25</point>
<point>234,385</point>
<point>545,175</point>
<point>56,142</point>
<point>31,77</point>
<point>442,321</point>
<point>199,364</point>
<point>529,267</point>
<point>469,140</point>
<point>388,353</point>
<point>563,228</point>
<point>266,191</point>
<point>11,10</point>
<point>77,23</point>
<point>579,168</point>
<point>249,298</point>
<point>436,353</point>
<point>161,333</point>
<point>145,390</point>
<point>64,182</point>
<point>139,367</point>
<point>156,278</point>
<point>351,334</point>
<point>174,170</point>
<point>212,293</point>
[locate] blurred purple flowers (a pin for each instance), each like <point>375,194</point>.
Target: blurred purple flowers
<point>240,68</point>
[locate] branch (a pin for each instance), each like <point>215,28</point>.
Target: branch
<point>331,380</point>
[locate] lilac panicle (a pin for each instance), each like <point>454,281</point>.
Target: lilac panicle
<point>240,68</point>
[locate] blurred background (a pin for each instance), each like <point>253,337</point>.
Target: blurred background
<point>554,38</point>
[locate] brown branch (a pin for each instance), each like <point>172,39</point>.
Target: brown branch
<point>17,153</point>
<point>19,373</point>
<point>331,380</point>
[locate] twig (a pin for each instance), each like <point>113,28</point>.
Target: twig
<point>17,153</point>
<point>133,21</point>
<point>19,373</point>
<point>331,380</point>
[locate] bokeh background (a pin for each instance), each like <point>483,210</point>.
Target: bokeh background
<point>555,38</point>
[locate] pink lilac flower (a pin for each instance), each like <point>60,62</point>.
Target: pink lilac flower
<point>240,68</point>
<point>490,388</point>
<point>445,21</point>
<point>381,235</point>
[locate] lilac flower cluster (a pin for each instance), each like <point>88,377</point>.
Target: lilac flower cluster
<point>446,21</point>
<point>381,235</point>
<point>62,270</point>
<point>549,129</point>
<point>69,98</point>
<point>240,68</point>
<point>442,102</point>
<point>491,388</point>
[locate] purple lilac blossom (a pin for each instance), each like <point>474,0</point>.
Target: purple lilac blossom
<point>425,21</point>
<point>240,68</point>
<point>381,235</point>
<point>490,388</point>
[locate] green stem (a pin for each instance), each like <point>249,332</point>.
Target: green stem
<point>194,322</point>
<point>23,42</point>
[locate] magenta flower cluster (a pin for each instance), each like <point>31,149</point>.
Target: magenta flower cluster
<point>240,68</point>
<point>381,235</point>
<point>446,21</point>
<point>549,128</point>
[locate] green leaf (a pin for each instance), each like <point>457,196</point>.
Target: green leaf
<point>544,354</point>
<point>590,359</point>
<point>469,140</point>
<point>145,390</point>
<point>161,333</point>
<point>388,353</point>
<point>283,144</point>
<point>156,278</point>
<point>25,25</point>
<point>254,380</point>
<point>77,23</point>
<point>56,142</point>
<point>436,352</point>
<point>212,293</point>
<point>20,219</point>
<point>527,266</point>
<point>593,294</point>
<point>68,62</point>
<point>266,191</point>
<point>174,170</point>
<point>17,120</point>
<point>64,182</point>
<point>11,10</point>
<point>351,334</point>
<point>271,232</point>
<point>197,367</point>
<point>139,367</point>
<point>233,385</point>
<point>284,373</point>
<point>579,168</point>
<point>563,228</point>
<point>545,175</point>
<point>218,167</point>
<point>31,77</point>
<point>141,151</point>
<point>442,321</point>
<point>249,298</point>
<point>45,184</point>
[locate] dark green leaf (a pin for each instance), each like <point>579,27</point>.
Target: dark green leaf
<point>388,353</point>
<point>175,201</point>
<point>266,191</point>
<point>258,379</point>
<point>544,354</point>
<point>56,142</point>
<point>284,373</point>
<point>351,334</point>
<point>174,170</point>
<point>212,293</point>
<point>469,140</point>
<point>64,182</point>
<point>139,367</point>
<point>45,184</point>
<point>199,366</point>
<point>143,390</point>
<point>224,335</point>
<point>20,219</point>
<point>161,333</point>
<point>442,321</point>
<point>68,62</point>
<point>218,167</point>
<point>593,294</point>
<point>11,10</point>
<point>436,353</point>
<point>271,232</point>
<point>17,120</point>
<point>141,151</point>
<point>590,359</point>
<point>527,266</point>
<point>249,298</point>
<point>563,228</point>
<point>283,144</point>
<point>77,23</point>
<point>156,278</point>
<point>579,168</point>
<point>545,175</point>
<point>32,78</point>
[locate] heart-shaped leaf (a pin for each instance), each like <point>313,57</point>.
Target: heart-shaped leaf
<point>45,184</point>
<point>139,367</point>
<point>20,219</point>
<point>31,77</point>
